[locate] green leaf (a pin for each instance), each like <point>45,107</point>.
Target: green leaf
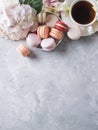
<point>36,4</point>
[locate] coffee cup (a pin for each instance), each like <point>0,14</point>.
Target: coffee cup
<point>82,12</point>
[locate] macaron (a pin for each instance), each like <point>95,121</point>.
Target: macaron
<point>41,17</point>
<point>43,31</point>
<point>51,20</point>
<point>33,40</point>
<point>61,26</point>
<point>48,44</point>
<point>55,33</point>
<point>23,50</point>
<point>74,32</point>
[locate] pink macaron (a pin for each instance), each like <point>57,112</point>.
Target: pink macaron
<point>61,26</point>
<point>48,44</point>
<point>33,40</point>
<point>56,34</point>
<point>43,31</point>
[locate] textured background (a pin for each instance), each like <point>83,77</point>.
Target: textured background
<point>55,90</point>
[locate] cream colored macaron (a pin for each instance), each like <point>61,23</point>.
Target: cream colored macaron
<point>74,32</point>
<point>41,17</point>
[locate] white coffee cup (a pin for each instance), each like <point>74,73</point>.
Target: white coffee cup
<point>77,2</point>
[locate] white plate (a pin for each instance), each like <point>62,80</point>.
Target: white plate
<point>66,19</point>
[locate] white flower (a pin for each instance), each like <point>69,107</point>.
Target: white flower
<point>17,20</point>
<point>7,3</point>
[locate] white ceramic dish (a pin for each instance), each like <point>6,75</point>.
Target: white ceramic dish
<point>86,31</point>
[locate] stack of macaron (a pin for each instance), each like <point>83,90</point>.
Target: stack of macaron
<point>48,32</point>
<point>41,39</point>
<point>58,30</point>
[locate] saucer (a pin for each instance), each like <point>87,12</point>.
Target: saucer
<point>86,31</point>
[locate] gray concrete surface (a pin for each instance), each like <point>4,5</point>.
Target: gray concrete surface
<point>55,90</point>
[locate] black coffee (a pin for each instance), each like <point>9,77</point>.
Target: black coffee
<point>83,13</point>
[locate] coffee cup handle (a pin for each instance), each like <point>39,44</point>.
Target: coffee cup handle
<point>90,29</point>
<point>87,30</point>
